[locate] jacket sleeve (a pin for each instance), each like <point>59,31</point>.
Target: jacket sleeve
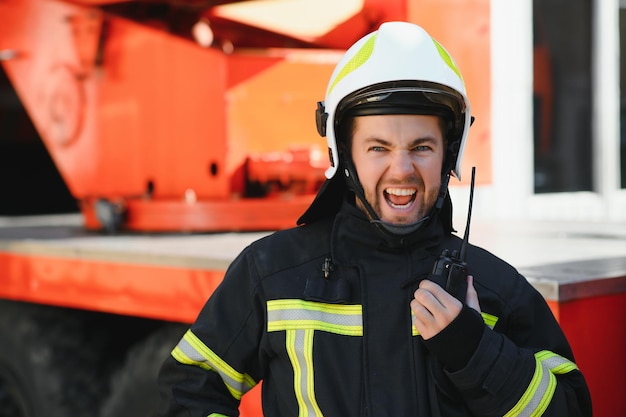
<point>216,361</point>
<point>524,366</point>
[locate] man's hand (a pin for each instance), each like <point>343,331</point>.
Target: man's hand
<point>434,309</point>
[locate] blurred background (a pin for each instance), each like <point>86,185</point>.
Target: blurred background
<point>144,143</point>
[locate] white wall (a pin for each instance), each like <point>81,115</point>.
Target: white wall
<point>511,194</point>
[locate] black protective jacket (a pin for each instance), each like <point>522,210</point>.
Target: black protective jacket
<point>320,313</point>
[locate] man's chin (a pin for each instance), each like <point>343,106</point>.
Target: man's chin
<point>402,220</point>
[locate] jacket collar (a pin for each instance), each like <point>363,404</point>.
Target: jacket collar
<point>354,231</point>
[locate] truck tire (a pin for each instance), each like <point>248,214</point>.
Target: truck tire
<point>133,390</point>
<point>46,363</point>
<point>14,398</point>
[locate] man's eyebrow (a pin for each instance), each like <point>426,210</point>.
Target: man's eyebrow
<point>424,139</point>
<point>378,140</point>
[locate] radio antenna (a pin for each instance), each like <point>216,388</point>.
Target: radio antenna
<point>469,217</point>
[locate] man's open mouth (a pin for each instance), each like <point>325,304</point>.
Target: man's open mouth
<point>400,198</point>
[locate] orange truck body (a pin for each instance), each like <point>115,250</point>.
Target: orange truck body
<point>175,136</point>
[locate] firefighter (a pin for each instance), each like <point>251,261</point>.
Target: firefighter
<point>345,314</point>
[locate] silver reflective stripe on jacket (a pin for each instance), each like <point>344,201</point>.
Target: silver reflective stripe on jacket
<point>191,351</point>
<point>538,395</point>
<point>300,320</point>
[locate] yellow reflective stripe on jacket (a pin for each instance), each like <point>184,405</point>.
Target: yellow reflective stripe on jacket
<point>539,393</point>
<point>299,344</point>
<point>300,315</point>
<point>300,319</point>
<point>191,351</point>
<point>490,321</point>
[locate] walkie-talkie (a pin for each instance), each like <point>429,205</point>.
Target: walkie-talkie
<point>451,265</point>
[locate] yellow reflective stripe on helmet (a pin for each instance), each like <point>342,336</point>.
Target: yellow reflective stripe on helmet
<point>447,59</point>
<point>191,351</point>
<point>489,319</point>
<point>299,344</point>
<point>539,393</point>
<point>356,61</point>
<point>300,315</point>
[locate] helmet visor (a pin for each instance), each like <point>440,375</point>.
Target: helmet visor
<point>400,98</point>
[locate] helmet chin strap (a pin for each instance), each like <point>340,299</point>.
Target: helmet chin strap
<point>443,190</point>
<point>354,184</point>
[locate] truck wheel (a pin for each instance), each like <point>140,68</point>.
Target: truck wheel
<point>134,391</point>
<point>13,399</point>
<point>45,365</point>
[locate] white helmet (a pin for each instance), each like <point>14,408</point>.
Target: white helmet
<point>398,69</point>
<point>399,57</point>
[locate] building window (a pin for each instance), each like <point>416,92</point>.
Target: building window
<point>562,96</point>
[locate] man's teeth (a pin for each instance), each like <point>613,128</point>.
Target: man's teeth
<point>396,206</point>
<point>400,191</point>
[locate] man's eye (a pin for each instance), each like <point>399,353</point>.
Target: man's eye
<point>422,148</point>
<point>377,148</point>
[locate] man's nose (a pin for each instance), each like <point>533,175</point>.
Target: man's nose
<point>402,163</point>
